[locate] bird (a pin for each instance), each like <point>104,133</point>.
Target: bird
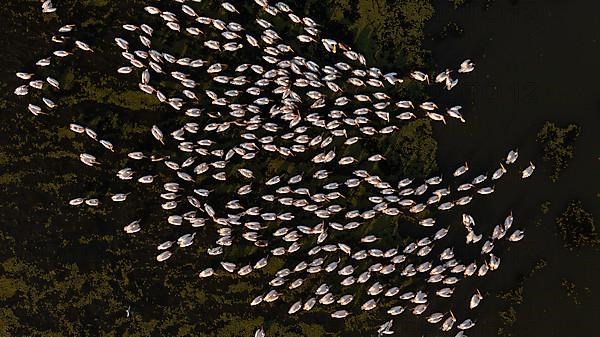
<point>466,66</point>
<point>475,299</point>
<point>528,171</point>
<point>259,333</point>
<point>419,76</point>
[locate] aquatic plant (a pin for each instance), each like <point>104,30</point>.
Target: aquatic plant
<point>576,227</point>
<point>558,145</point>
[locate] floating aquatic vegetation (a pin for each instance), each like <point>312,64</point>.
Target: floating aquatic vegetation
<point>557,145</point>
<point>273,157</point>
<point>576,227</point>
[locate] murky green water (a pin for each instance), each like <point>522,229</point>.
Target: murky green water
<point>67,272</point>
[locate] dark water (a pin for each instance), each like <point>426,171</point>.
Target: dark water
<point>536,62</point>
<point>82,272</point>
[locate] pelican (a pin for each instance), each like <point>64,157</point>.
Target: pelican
<point>512,157</point>
<point>24,76</point>
<point>21,90</point>
<point>295,307</point>
<point>369,305</point>
<point>133,227</point>
<point>445,292</point>
<point>340,314</point>
<point>466,66</point>
<point>259,333</point>
<point>119,197</point>
<point>494,262</point>
<point>461,170</point>
<point>35,110</point>
<point>61,53</point>
<point>49,103</point>
<point>43,62</point>
<point>517,235</point>
<point>475,299</point>
<point>436,117</point>
<point>108,145</point>
<point>528,171</point>
<point>443,76</point>
<point>455,113</point>
<point>448,323</point>
<point>466,324</point>
<point>88,159</point>
<point>435,317</point>
<point>419,76</point>
<point>76,201</point>
<point>499,172</point>
<point>485,190</point>
<point>83,46</point>
<point>344,300</point>
<point>450,84</point>
<point>257,300</point>
<point>309,304</point>
<point>165,245</point>
<point>396,310</point>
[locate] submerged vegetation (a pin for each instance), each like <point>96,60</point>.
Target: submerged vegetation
<point>389,32</point>
<point>576,227</point>
<point>513,298</point>
<point>557,145</point>
<point>413,150</point>
<point>571,290</point>
<point>65,273</point>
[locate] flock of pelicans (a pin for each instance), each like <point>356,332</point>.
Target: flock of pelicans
<point>265,99</point>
